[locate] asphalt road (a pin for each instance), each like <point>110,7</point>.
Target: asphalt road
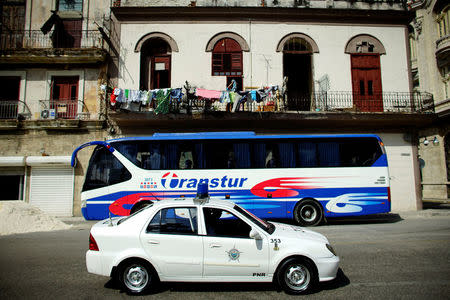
<point>387,258</point>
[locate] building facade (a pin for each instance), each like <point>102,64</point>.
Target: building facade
<point>333,66</point>
<point>430,37</point>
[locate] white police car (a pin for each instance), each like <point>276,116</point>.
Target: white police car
<point>205,240</point>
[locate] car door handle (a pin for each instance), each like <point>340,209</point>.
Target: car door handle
<point>215,245</point>
<point>153,242</point>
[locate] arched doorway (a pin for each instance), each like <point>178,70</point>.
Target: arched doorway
<point>298,52</point>
<point>155,64</point>
<point>227,61</point>
<point>227,56</point>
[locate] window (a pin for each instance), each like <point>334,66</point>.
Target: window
<point>179,220</point>
<point>443,21</point>
<point>64,5</point>
<point>227,58</point>
<point>224,224</point>
<point>104,170</point>
<point>248,154</point>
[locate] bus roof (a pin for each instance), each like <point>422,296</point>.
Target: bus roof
<point>235,135</point>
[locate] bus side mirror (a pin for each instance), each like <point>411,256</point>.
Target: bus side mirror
<point>255,235</point>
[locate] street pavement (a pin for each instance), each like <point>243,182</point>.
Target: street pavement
<point>390,256</point>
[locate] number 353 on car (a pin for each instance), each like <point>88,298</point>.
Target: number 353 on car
<point>202,240</point>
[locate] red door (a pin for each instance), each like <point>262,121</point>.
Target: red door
<point>64,96</point>
<point>366,82</point>
<point>160,72</point>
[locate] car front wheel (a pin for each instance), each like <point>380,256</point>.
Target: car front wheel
<point>297,276</point>
<point>137,277</point>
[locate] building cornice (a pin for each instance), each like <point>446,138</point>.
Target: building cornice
<point>306,15</point>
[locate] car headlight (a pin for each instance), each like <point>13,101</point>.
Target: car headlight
<point>329,247</point>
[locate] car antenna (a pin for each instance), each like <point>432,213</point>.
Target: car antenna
<point>110,220</point>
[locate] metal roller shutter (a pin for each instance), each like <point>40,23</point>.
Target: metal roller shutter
<point>51,190</point>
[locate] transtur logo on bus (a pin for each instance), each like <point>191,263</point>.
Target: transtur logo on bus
<point>171,180</point>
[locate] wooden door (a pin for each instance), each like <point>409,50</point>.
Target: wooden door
<point>64,96</point>
<point>160,74</point>
<point>366,82</point>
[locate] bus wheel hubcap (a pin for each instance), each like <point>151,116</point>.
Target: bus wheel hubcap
<point>308,213</point>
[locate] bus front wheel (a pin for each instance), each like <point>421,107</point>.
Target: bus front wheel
<point>308,212</point>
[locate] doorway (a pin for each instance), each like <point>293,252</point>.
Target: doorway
<point>10,87</point>
<point>297,69</point>
<point>366,82</point>
<point>64,96</point>
<point>155,65</point>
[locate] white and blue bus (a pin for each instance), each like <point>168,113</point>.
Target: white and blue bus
<point>302,177</point>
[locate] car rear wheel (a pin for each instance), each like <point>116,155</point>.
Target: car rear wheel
<point>308,213</point>
<point>137,277</point>
<point>297,276</point>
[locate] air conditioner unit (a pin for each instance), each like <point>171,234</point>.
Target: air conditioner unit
<point>48,114</point>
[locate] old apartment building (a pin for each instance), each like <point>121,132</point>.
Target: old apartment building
<point>430,37</point>
<point>81,70</point>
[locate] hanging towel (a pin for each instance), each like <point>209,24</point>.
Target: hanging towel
<point>210,94</point>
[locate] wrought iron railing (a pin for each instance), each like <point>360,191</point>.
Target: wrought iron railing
<point>416,102</point>
<point>63,109</point>
<point>14,109</point>
<point>35,39</point>
<point>385,102</point>
<point>396,102</point>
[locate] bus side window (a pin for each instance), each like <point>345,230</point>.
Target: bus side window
<point>104,169</point>
<point>329,154</point>
<point>307,154</point>
<point>186,160</point>
<point>271,156</point>
<point>287,155</point>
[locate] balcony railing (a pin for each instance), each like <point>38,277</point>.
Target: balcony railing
<point>63,109</point>
<point>14,109</point>
<point>35,39</point>
<point>385,102</point>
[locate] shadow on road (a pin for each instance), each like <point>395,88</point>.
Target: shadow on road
<point>340,281</point>
<point>370,219</point>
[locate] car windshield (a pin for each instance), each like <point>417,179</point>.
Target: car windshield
<point>135,213</point>
<point>266,226</point>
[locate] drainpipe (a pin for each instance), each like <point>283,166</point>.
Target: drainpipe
<point>251,54</point>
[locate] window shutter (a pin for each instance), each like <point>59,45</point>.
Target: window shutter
<point>236,61</point>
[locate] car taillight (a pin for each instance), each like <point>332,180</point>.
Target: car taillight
<point>389,194</point>
<point>92,243</point>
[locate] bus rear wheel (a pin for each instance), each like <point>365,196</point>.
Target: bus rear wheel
<point>139,206</point>
<point>308,212</point>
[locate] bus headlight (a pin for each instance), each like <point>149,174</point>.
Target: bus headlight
<point>83,203</point>
<point>329,247</point>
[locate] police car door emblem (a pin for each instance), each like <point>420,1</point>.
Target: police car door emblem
<point>234,254</point>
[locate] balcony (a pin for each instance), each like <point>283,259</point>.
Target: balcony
<point>63,109</point>
<point>32,46</point>
<point>443,50</point>
<point>51,114</point>
<point>321,109</point>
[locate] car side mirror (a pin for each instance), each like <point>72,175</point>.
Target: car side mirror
<point>255,235</point>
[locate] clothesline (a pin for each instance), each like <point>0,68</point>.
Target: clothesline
<point>160,99</point>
